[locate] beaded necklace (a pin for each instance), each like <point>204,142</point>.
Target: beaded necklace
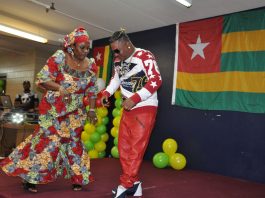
<point>124,68</point>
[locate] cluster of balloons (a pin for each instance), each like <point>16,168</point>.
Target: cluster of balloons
<point>169,157</point>
<point>95,136</point>
<point>116,112</point>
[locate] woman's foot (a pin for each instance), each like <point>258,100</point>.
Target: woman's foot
<point>76,187</point>
<point>29,187</point>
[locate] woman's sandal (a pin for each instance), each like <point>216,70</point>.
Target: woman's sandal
<point>76,187</point>
<point>29,187</point>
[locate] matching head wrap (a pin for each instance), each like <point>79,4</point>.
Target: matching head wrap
<point>77,36</point>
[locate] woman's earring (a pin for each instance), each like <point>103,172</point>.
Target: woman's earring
<point>129,47</point>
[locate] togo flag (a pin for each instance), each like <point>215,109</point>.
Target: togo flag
<point>103,59</point>
<point>220,63</point>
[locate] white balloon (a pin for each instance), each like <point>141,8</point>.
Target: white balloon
<point>101,84</point>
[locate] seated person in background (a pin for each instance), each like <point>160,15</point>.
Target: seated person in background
<point>27,101</point>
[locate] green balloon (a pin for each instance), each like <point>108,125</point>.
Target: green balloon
<point>118,103</point>
<point>101,154</point>
<point>89,145</point>
<point>95,137</point>
<point>101,129</point>
<point>115,141</point>
<point>114,152</point>
<point>87,108</point>
<point>116,112</point>
<point>105,120</point>
<point>160,160</point>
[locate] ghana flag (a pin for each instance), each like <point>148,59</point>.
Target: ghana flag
<point>220,63</point>
<point>103,59</point>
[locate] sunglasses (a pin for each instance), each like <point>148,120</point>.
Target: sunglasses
<point>116,51</point>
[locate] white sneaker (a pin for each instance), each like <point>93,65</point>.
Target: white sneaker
<point>139,190</point>
<point>136,190</point>
<point>120,192</point>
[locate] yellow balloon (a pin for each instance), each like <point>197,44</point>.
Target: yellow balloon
<point>170,146</point>
<point>105,137</point>
<point>99,122</point>
<point>85,136</point>
<point>93,154</point>
<point>117,94</point>
<point>100,146</point>
<point>177,161</point>
<point>102,111</point>
<point>116,121</point>
<point>89,128</point>
<point>114,132</point>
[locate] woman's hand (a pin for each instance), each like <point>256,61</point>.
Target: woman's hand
<point>67,98</point>
<point>92,116</point>
<point>65,95</point>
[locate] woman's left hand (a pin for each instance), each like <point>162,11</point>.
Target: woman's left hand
<point>92,117</point>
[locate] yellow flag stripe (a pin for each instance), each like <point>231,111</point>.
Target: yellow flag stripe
<point>223,81</point>
<point>243,41</point>
<point>105,64</point>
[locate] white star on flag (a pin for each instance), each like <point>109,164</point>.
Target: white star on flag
<point>98,57</point>
<point>153,84</point>
<point>198,48</point>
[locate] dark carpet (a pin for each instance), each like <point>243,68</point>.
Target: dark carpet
<point>157,183</point>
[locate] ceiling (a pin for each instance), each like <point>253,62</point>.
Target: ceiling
<point>102,17</point>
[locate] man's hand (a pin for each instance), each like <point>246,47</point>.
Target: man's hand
<point>128,104</point>
<point>105,101</point>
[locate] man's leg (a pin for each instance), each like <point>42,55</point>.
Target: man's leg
<point>134,134</point>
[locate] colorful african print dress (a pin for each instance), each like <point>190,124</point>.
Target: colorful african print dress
<point>55,147</point>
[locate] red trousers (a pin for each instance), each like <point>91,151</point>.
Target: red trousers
<point>134,134</point>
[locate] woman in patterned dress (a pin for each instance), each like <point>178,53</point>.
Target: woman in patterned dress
<point>55,147</point>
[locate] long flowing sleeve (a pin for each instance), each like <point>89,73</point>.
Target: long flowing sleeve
<point>50,71</point>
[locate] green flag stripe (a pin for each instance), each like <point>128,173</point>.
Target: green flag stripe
<point>243,61</point>
<point>233,101</point>
<point>100,71</point>
<point>244,21</point>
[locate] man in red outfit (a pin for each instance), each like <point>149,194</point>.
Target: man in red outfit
<point>137,75</point>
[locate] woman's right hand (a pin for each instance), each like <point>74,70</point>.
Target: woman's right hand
<point>92,116</point>
<point>66,97</point>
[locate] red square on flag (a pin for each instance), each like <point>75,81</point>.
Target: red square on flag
<point>199,49</point>
<point>98,55</point>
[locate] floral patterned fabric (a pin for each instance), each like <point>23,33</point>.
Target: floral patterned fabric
<point>55,147</point>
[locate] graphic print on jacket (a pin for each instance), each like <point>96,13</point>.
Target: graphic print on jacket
<point>134,82</point>
<point>138,77</point>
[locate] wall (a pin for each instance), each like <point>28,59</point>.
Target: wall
<point>222,142</point>
<point>20,67</point>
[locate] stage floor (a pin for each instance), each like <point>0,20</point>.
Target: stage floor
<point>157,183</point>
